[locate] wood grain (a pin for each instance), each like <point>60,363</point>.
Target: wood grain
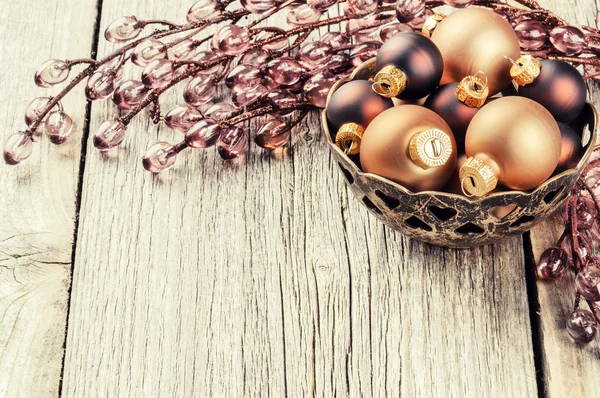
<point>263,277</point>
<point>37,204</point>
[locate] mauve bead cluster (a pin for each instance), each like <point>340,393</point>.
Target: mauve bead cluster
<point>266,72</point>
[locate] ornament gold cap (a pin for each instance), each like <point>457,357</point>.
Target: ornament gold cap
<point>348,138</point>
<point>431,23</point>
<point>477,178</point>
<point>389,81</point>
<point>430,148</point>
<point>473,90</point>
<point>525,70</point>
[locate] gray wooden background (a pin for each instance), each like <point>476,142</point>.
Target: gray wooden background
<point>264,277</point>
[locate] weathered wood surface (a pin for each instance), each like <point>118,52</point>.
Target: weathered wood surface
<point>37,204</point>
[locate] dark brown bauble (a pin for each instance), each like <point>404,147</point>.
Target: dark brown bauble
<point>559,87</point>
<point>571,148</point>
<point>476,39</point>
<point>445,103</point>
<point>418,58</point>
<point>411,145</point>
<point>514,141</point>
<point>355,102</point>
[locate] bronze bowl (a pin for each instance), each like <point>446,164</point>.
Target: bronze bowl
<point>451,220</point>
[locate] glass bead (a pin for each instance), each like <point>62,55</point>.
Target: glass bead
<point>231,40</point>
<point>458,3</point>
<point>302,15</point>
<point>321,5</point>
<point>129,94</point>
<point>582,326</point>
<point>17,148</point>
<point>269,83</point>
<point>256,56</point>
<point>200,90</point>
<point>335,39</point>
<point>109,135</point>
<point>568,39</point>
<point>207,56</point>
<point>276,45</point>
<point>339,63</point>
<point>418,22</point>
<point>258,6</point>
<point>282,98</point>
<point>35,109</point>
<point>312,55</point>
<point>59,127</point>
<point>220,111</point>
<point>52,72</point>
<point>587,281</point>
<point>554,263</point>
<point>232,142</point>
<point>147,51</point>
<point>245,98</point>
<point>392,29</point>
<point>364,52</point>
<point>114,67</point>
<point>122,29</point>
<point>203,10</point>
<point>182,118</point>
<point>407,10</point>
<point>159,157</point>
<point>158,73</point>
<point>532,34</point>
<point>203,134</point>
<point>100,85</point>
<point>285,71</point>
<point>361,8</point>
<point>273,134</point>
<point>316,89</point>
<point>243,78</point>
<point>182,51</point>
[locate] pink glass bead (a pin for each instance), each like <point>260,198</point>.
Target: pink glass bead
<point>159,157</point>
<point>157,73</point>
<point>243,78</point>
<point>59,127</point>
<point>231,40</point>
<point>220,111</point>
<point>335,39</point>
<point>147,51</point>
<point>110,134</point>
<point>114,67</point>
<point>321,5</point>
<point>317,88</point>
<point>182,118</point>
<point>587,282</point>
<point>362,8</point>
<point>255,56</point>
<point>582,326</point>
<point>532,34</point>
<point>203,134</point>
<point>314,54</point>
<point>276,45</point>
<point>418,22</point>
<point>392,29</point>
<point>203,10</point>
<point>282,99</point>
<point>246,97</point>
<point>130,93</point>
<point>269,83</point>
<point>232,143</point>
<point>200,90</point>
<point>567,39</point>
<point>302,15</point>
<point>364,52</point>
<point>17,148</point>
<point>459,3</point>
<point>339,63</point>
<point>100,85</point>
<point>554,263</point>
<point>122,29</point>
<point>182,51</point>
<point>273,134</point>
<point>35,109</point>
<point>207,56</point>
<point>258,6</point>
<point>285,71</point>
<point>52,72</point>
<point>407,10</point>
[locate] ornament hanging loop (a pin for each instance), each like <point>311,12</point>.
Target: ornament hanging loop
<point>473,90</point>
<point>480,75</point>
<point>463,188</point>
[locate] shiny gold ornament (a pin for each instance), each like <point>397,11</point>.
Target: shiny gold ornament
<point>411,145</point>
<point>513,141</point>
<point>348,138</point>
<point>389,81</point>
<point>476,39</point>
<point>431,23</point>
<point>525,70</point>
<point>473,91</point>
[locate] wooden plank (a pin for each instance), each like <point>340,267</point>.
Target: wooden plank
<point>37,205</point>
<point>265,277</point>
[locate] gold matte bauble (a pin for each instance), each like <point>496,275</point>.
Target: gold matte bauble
<point>517,140</point>
<point>411,145</point>
<point>476,39</point>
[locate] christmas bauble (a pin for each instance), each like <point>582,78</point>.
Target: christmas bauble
<point>409,66</point>
<point>411,145</point>
<point>512,140</point>
<point>571,148</point>
<point>350,110</point>
<point>476,39</point>
<point>557,85</point>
